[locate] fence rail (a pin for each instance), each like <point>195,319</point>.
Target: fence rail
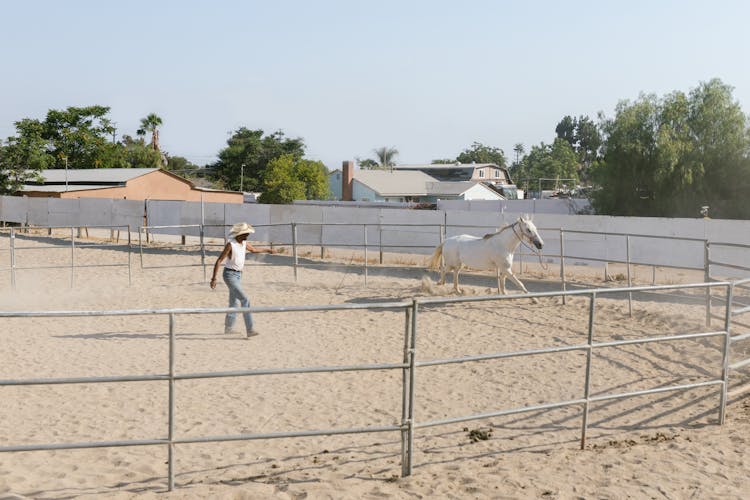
<point>409,367</point>
<point>16,233</point>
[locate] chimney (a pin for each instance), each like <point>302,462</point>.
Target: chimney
<point>347,174</point>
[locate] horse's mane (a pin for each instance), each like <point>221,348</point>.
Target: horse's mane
<point>490,235</point>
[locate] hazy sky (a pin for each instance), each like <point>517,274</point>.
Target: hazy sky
<point>428,77</point>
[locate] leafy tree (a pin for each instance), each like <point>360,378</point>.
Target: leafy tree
<point>135,153</point>
<point>79,135</point>
<point>479,153</point>
<point>669,156</point>
<point>566,130</point>
<point>519,149</point>
<point>443,161</point>
<point>367,163</point>
<point>288,178</point>
<point>151,125</point>
<point>181,166</point>
<point>23,156</point>
<point>551,161</point>
<point>254,150</point>
<point>582,134</point>
<point>588,141</point>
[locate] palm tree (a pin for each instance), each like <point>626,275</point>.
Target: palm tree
<point>151,124</point>
<point>385,156</point>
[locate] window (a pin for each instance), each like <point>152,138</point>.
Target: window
<point>481,173</point>
<point>497,173</point>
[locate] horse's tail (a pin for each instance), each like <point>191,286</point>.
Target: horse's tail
<point>435,260</point>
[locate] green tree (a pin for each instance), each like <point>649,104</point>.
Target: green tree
<point>669,156</point>
<point>443,161</point>
<point>135,153</point>
<point>79,134</point>
<point>366,163</point>
<point>551,161</point>
<point>519,149</point>
<point>588,141</point>
<point>181,166</point>
<point>566,130</point>
<point>479,153</point>
<point>288,178</point>
<point>23,156</point>
<point>254,150</point>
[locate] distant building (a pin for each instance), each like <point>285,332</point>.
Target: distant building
<point>494,176</point>
<point>349,184</point>
<point>123,183</point>
<point>476,172</point>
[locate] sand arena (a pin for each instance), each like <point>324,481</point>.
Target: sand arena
<point>665,445</point>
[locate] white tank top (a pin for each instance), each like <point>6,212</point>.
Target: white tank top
<point>236,259</point>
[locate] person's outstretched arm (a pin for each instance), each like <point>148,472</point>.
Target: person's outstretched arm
<point>252,249</point>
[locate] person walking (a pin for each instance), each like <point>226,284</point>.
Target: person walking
<point>234,254</point>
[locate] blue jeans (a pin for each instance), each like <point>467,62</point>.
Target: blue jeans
<point>237,298</point>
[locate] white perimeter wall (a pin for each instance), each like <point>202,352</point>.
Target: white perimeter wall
<point>415,231</point>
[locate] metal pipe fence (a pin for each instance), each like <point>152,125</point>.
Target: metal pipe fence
<point>409,365</point>
<point>440,232</point>
<point>15,234</point>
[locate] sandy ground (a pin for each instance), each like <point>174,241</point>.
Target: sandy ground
<point>660,446</point>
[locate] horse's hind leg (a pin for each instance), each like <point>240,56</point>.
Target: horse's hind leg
<point>442,275</point>
<point>456,270</point>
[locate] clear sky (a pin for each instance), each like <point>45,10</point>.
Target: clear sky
<point>426,77</point>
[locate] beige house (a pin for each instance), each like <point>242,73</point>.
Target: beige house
<point>124,183</point>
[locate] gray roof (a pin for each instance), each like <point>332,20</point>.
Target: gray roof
<point>443,166</point>
<point>58,188</point>
<point>94,176</point>
<point>394,183</point>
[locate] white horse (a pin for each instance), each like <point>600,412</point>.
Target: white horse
<point>492,251</point>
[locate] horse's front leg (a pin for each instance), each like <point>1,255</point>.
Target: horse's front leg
<point>501,282</point>
<point>456,270</point>
<point>520,285</point>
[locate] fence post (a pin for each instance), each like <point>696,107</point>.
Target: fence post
<point>707,278</point>
<point>380,242</point>
<point>72,256</point>
<point>294,248</point>
<point>13,258</point>
<point>412,373</point>
<point>140,244</point>
<point>130,265</point>
<point>322,248</point>
<point>405,395</point>
<point>562,264</point>
<point>725,353</point>
<point>587,383</point>
<point>203,250</point>
<point>364,242</point>
<point>170,453</point>
<point>630,283</point>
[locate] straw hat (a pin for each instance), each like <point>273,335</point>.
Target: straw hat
<point>241,228</point>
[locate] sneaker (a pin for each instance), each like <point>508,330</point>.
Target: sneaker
<point>253,333</point>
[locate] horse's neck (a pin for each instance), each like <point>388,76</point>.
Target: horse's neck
<point>507,240</point>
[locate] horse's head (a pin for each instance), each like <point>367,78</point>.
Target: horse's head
<point>528,231</point>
